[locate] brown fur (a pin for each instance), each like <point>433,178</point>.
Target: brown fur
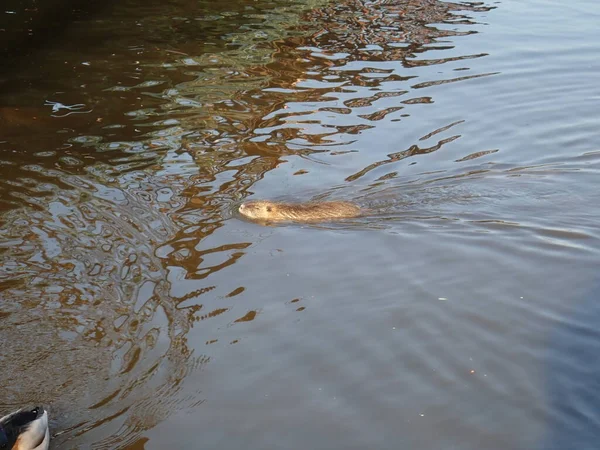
<point>298,212</point>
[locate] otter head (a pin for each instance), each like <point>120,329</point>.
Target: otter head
<point>258,210</point>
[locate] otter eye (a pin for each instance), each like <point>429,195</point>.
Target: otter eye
<point>269,208</point>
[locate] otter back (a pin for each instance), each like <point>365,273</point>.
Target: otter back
<point>318,211</point>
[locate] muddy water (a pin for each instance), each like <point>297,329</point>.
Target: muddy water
<point>461,313</point>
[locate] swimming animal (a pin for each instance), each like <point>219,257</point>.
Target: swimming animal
<point>298,212</point>
<point>25,429</point>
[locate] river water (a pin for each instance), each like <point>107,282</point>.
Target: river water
<point>460,313</point>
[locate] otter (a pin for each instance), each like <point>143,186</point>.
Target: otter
<point>298,212</point>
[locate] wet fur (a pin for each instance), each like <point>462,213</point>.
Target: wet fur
<point>299,212</point>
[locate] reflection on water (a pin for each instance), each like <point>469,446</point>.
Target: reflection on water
<point>134,300</point>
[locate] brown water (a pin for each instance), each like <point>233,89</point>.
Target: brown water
<point>460,314</point>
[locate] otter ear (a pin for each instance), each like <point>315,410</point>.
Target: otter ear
<point>269,208</point>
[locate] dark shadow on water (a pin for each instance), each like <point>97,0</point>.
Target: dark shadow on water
<point>573,377</point>
<point>29,25</point>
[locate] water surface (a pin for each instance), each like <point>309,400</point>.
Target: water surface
<point>459,314</point>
